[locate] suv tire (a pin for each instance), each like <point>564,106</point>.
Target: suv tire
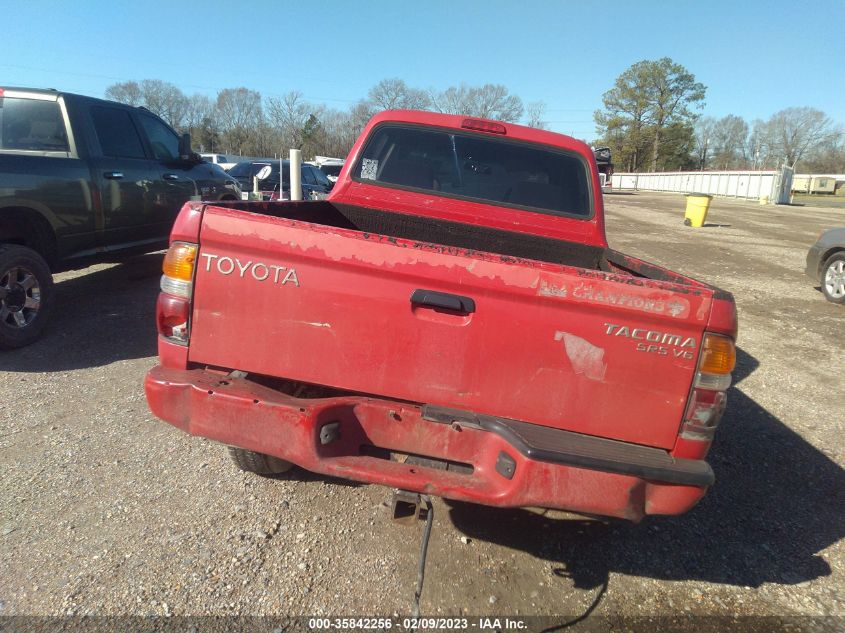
<point>833,278</point>
<point>26,295</point>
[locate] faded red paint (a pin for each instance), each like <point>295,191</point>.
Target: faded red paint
<point>349,324</point>
<point>240,413</point>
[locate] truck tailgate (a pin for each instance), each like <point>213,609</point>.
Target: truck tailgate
<point>595,353</point>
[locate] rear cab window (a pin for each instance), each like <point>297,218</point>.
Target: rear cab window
<point>32,125</point>
<point>479,168</point>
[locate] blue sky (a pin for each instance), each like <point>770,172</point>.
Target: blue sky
<point>754,57</point>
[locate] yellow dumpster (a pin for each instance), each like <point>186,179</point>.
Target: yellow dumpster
<point>697,206</point>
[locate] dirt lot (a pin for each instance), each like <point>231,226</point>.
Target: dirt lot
<point>107,511</point>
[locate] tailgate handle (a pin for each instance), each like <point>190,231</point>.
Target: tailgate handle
<point>444,300</point>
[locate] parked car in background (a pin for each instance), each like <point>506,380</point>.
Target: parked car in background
<point>315,184</point>
<point>217,159</point>
<point>826,264</point>
<point>83,178</point>
<point>329,166</point>
<point>331,170</point>
<point>604,163</point>
<point>225,162</point>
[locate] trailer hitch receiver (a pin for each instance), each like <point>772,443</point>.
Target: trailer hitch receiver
<point>405,507</point>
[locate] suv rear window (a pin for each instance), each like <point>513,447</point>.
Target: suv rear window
<point>240,170</point>
<point>322,179</point>
<point>331,170</point>
<point>475,167</point>
<point>31,124</point>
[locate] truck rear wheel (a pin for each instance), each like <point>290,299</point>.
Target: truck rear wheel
<point>26,295</point>
<point>258,463</point>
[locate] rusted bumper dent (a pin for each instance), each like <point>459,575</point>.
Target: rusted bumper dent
<point>239,412</point>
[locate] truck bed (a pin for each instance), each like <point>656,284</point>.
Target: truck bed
<point>448,315</point>
<point>468,237</point>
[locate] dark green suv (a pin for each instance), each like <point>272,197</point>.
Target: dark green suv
<point>81,179</point>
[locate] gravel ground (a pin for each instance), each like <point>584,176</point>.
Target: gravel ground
<point>104,510</point>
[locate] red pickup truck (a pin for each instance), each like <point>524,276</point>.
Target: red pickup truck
<point>449,321</point>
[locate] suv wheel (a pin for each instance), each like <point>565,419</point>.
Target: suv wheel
<point>833,278</point>
<point>26,295</point>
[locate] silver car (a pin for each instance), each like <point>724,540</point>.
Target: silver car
<point>826,264</point>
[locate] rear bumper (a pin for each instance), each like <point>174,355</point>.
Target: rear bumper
<point>513,464</point>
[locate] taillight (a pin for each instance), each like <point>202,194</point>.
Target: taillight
<point>712,379</point>
<point>172,317</point>
<point>173,309</point>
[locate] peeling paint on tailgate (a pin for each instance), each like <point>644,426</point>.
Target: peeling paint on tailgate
<point>504,359</point>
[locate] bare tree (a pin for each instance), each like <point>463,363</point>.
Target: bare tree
<point>128,92</point>
<point>494,102</point>
<point>490,101</point>
<point>264,139</point>
<point>160,97</point>
<point>289,116</point>
<point>729,140</point>
<point>166,100</point>
<point>756,148</point>
<point>394,94</point>
<point>359,115</point>
<point>828,157</point>
<point>235,122</point>
<point>197,108</point>
<point>453,100</point>
<point>206,136</point>
<point>534,113</point>
<point>790,133</point>
<point>200,121</point>
<point>337,132</point>
<point>703,140</point>
<point>240,113</point>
